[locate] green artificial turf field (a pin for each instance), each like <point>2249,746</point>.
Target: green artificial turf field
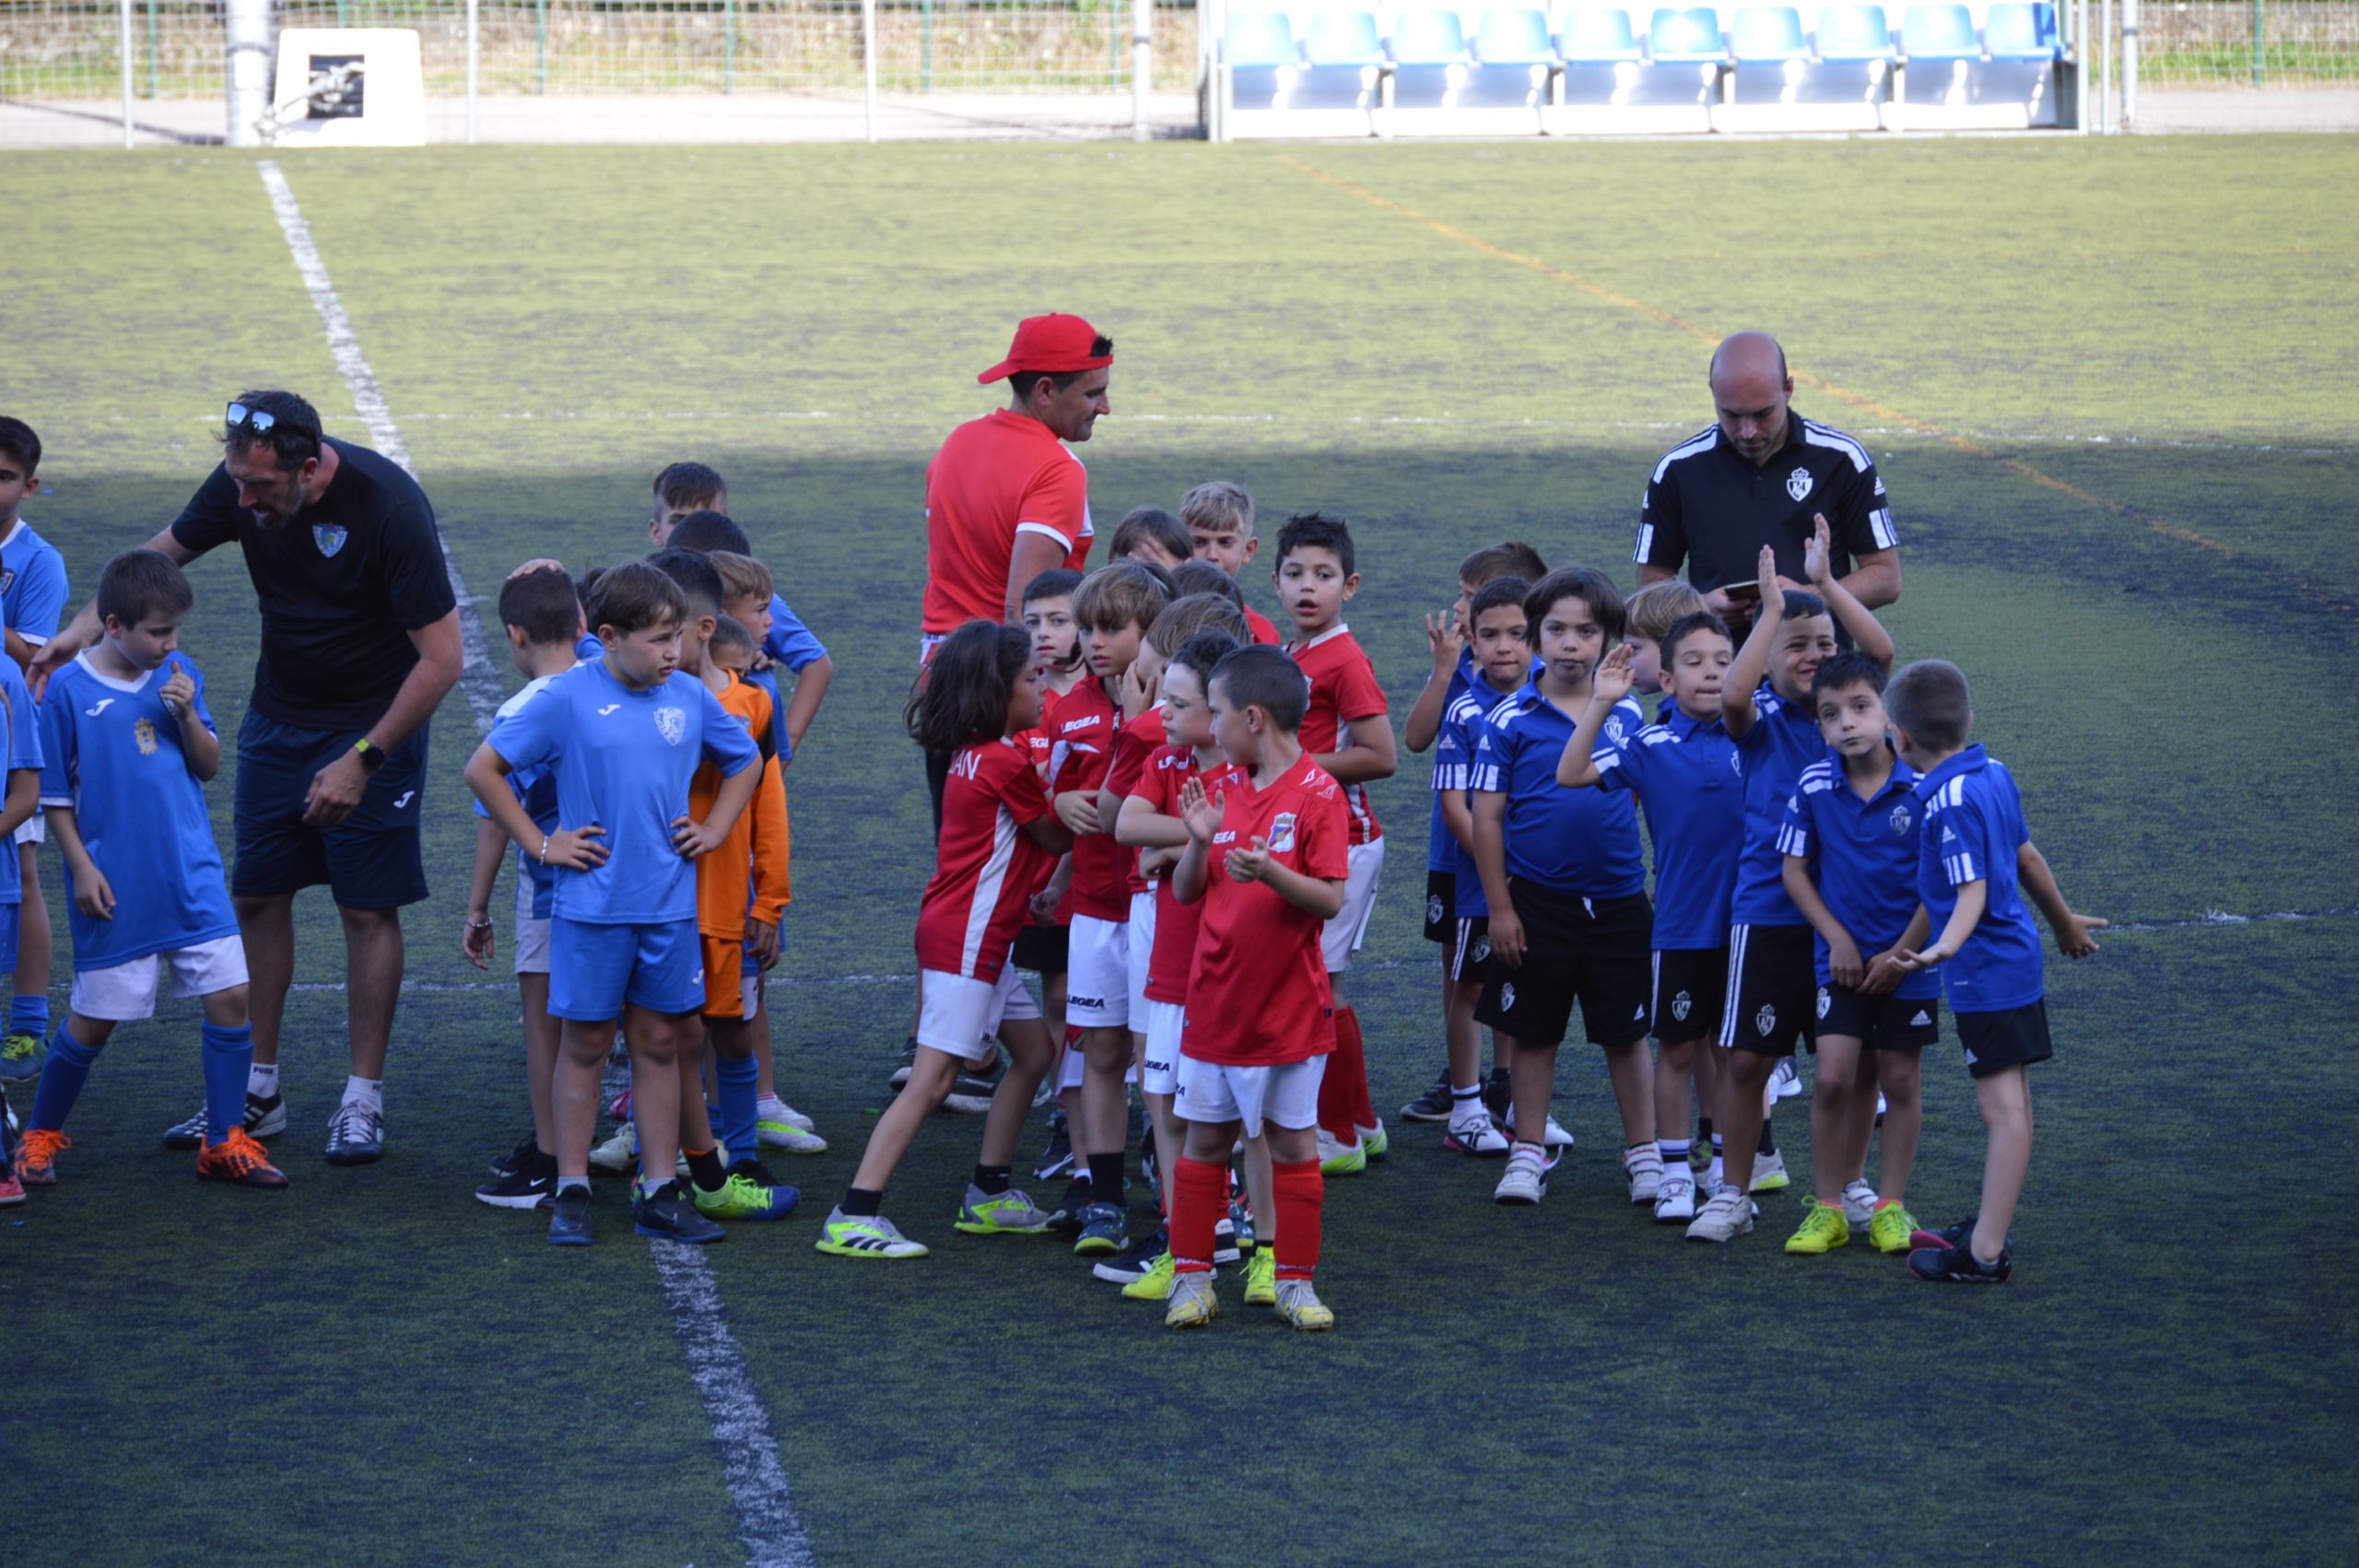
<point>2112,387</point>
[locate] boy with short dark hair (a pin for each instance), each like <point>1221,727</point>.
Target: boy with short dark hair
<point>1347,731</point>
<point>681,488</point>
<point>1451,638</point>
<point>1044,943</point>
<point>1772,991</point>
<point>731,648</point>
<point>1561,871</point>
<point>1219,519</point>
<point>624,734</point>
<point>1259,1015</point>
<point>1152,537</point>
<point>1850,846</point>
<point>1975,862</point>
<point>1686,773</point>
<point>130,744</point>
<point>542,620</point>
<point>34,592</point>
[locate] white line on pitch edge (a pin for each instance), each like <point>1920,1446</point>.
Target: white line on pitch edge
<point>758,1484</point>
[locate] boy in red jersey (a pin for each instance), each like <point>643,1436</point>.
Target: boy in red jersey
<point>1347,733</point>
<point>998,840</point>
<point>1043,943</point>
<point>1261,1017</point>
<point>1113,608</point>
<point>1219,519</point>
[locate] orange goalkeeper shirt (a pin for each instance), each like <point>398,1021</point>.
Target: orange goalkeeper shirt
<point>750,869</point>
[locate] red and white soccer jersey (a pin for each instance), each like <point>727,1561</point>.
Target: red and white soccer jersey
<point>1088,724</point>
<point>986,866</point>
<point>994,478</point>
<point>1135,747</point>
<point>1342,689</point>
<point>1264,631</point>
<point>1176,924</point>
<point>1259,994</point>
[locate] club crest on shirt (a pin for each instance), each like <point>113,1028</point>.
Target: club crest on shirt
<point>7,578</point>
<point>1797,483</point>
<point>144,734</point>
<point>329,537</point>
<point>672,723</point>
<point>1282,833</point>
<point>1900,820</point>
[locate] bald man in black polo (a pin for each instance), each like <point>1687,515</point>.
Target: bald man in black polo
<point>1759,475</point>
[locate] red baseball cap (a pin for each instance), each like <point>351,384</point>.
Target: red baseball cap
<point>1056,345</point>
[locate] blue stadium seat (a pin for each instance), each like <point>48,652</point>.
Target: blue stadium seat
<point>2015,31</point>
<point>1940,33</point>
<point>1947,83</point>
<point>1681,37</point>
<point>1260,41</point>
<point>1517,37</point>
<point>1776,83</point>
<point>1342,76</point>
<point>1608,85</point>
<point>1343,39</point>
<point>1764,33</point>
<point>1854,32</point>
<point>1597,37</point>
<point>1427,38</point>
<point>1439,88</point>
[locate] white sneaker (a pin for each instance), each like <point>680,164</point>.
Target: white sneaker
<point>776,1109</point>
<point>1299,1305</point>
<point>786,1136</point>
<point>1524,1182</point>
<point>1475,1136</point>
<point>619,1154</point>
<point>1770,1173</point>
<point>1644,1167</point>
<point>1726,1217</point>
<point>1786,1081</point>
<point>1859,1204</point>
<point>1675,1200</point>
<point>1554,1138</point>
<point>1340,1159</point>
<point>1882,1105</point>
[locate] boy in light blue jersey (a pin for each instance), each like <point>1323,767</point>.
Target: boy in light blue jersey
<point>1974,863</point>
<point>1850,848</point>
<point>129,745</point>
<point>1565,883</point>
<point>542,620</point>
<point>624,734</point>
<point>1502,668</point>
<point>32,596</point>
<point>1772,993</point>
<point>1686,772</point>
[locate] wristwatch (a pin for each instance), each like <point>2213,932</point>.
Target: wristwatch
<point>372,757</point>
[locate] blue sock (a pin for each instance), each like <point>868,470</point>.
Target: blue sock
<point>61,1076</point>
<point>29,1015</point>
<point>738,1080</point>
<point>228,1054</point>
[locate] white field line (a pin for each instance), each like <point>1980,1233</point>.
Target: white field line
<point>758,1484</point>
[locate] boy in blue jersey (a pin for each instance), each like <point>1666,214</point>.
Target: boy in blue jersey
<point>1772,988</point>
<point>1451,638</point>
<point>624,734</point>
<point>1686,772</point>
<point>543,621</point>
<point>1850,848</point>
<point>1565,886</point>
<point>1974,863</point>
<point>129,747</point>
<point>1502,658</point>
<point>32,596</point>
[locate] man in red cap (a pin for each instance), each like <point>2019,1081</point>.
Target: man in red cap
<point>1006,500</point>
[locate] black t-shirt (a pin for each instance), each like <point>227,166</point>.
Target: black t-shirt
<point>341,587</point>
<point>1709,506</point>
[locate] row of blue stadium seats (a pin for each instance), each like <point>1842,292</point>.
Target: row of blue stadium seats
<point>2013,29</point>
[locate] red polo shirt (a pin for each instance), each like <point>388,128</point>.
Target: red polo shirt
<point>996,477</point>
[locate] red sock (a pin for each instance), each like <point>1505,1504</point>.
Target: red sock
<point>1198,1197</point>
<point>1343,1106</point>
<point>1299,1190</point>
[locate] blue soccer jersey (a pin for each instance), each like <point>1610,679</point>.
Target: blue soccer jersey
<point>1441,848</point>
<point>115,756</point>
<point>1865,853</point>
<point>536,787</point>
<point>1455,744</point>
<point>1972,830</point>
<point>789,646</point>
<point>623,760</point>
<point>1783,741</point>
<point>1690,778</point>
<point>32,584</point>
<point>23,750</point>
<point>1583,843</point>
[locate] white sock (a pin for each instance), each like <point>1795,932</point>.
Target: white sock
<point>262,1081</point>
<point>1466,1105</point>
<point>770,1102</point>
<point>368,1092</point>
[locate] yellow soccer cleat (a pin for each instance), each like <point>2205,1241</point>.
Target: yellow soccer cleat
<point>1892,1227</point>
<point>1824,1229</point>
<point>1261,1278</point>
<point>1193,1305</point>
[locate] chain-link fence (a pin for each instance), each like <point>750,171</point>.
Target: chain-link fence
<point>2255,44</point>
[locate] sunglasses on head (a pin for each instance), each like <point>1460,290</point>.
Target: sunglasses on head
<point>252,419</point>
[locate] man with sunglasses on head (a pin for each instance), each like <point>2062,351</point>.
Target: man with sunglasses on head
<point>359,644</point>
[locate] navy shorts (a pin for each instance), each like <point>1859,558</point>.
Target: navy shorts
<point>1592,950</point>
<point>1997,1041</point>
<point>1879,1023</point>
<point>1441,906</point>
<point>370,861</point>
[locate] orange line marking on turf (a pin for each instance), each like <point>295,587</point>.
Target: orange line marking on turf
<point>1656,313</point>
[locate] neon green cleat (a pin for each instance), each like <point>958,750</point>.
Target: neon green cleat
<point>865,1236</point>
<point>21,1058</point>
<point>1769,1173</point>
<point>1156,1284</point>
<point>1300,1306</point>
<point>1824,1229</point>
<point>788,1138</point>
<point>1009,1214</point>
<point>1192,1303</point>
<point>1892,1227</point>
<point>745,1197</point>
<point>1373,1141</point>
<point>1340,1159</point>
<point>1261,1278</point>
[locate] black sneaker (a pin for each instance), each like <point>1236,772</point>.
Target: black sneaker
<point>971,1094</point>
<point>1133,1265</point>
<point>529,1187</point>
<point>1240,1221</point>
<point>523,1157</point>
<point>1056,1160</point>
<point>904,1058</point>
<point>667,1216</point>
<point>1225,1247</point>
<point>1149,1172</point>
<point>569,1218</point>
<point>265,1118</point>
<point>1958,1266</point>
<point>1079,1195</point>
<point>1433,1105</point>
<point>1497,1096</point>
